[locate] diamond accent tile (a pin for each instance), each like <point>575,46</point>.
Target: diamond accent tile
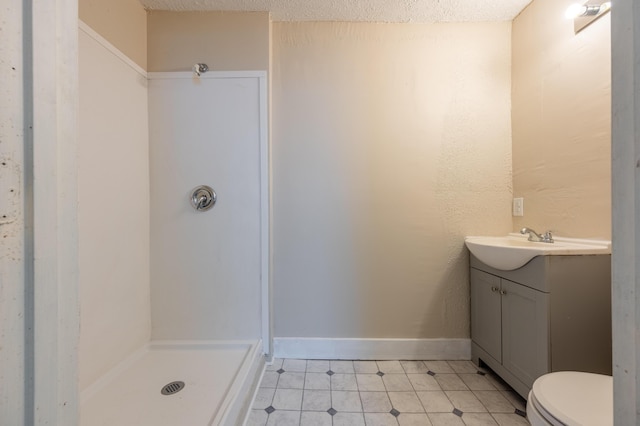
<point>521,413</point>
<point>280,371</point>
<point>431,373</point>
<point>457,412</point>
<point>331,411</point>
<point>270,409</point>
<point>380,373</point>
<point>331,373</point>
<point>394,412</point>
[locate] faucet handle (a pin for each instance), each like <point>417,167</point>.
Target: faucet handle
<point>547,237</point>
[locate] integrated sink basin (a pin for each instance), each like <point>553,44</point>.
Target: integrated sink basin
<point>514,250</point>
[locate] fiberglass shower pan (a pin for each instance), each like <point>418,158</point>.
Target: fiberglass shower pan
<point>209,261</point>
<point>217,377</point>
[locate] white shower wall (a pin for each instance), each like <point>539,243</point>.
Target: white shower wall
<point>206,267</point>
<point>113,207</point>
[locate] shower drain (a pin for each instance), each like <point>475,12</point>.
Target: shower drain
<point>171,388</point>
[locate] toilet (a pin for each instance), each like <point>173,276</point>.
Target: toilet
<point>570,398</point>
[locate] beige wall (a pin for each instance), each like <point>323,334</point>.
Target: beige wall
<point>226,41</point>
<point>122,22</point>
<point>561,122</point>
<point>391,142</point>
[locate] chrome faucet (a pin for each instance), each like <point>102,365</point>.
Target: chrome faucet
<point>544,238</point>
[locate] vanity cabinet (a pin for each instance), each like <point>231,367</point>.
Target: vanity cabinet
<point>552,314</point>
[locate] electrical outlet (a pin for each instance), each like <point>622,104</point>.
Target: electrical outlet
<point>518,206</point>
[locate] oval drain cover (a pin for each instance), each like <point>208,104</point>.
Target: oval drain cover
<point>171,388</point>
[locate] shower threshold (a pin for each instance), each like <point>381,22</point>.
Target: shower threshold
<point>219,381</point>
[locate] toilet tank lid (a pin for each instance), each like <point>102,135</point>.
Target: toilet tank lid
<point>576,398</point>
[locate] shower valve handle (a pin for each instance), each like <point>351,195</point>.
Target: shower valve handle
<point>203,198</point>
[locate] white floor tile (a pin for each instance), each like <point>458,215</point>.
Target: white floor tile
<point>439,367</point>
<point>413,419</point>
<point>390,367</point>
<point>375,402</point>
<point>478,419</point>
<point>435,402</point>
<point>516,400</point>
<point>290,380</point>
<point>287,399</point>
<point>318,366</point>
<point>380,419</point>
<point>343,401</point>
<point>316,400</point>
<point>414,367</point>
<point>463,367</point>
<point>497,382</point>
<point>264,398</point>
<point>257,418</point>
<point>348,419</point>
<point>370,382</point>
<point>494,401</point>
<point>424,382</point>
<point>295,365</point>
<point>477,382</point>
<point>276,365</point>
<point>365,367</point>
<point>344,382</point>
<point>397,382</point>
<point>406,402</point>
<point>284,418</point>
<point>465,401</point>
<point>450,382</point>
<point>269,379</point>
<point>342,367</point>
<point>445,419</point>
<point>310,418</point>
<point>510,420</point>
<point>318,381</point>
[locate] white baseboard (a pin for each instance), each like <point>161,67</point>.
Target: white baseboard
<point>372,349</point>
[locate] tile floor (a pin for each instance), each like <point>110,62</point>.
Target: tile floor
<point>379,393</point>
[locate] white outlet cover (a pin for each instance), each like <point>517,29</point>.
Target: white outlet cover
<point>518,206</point>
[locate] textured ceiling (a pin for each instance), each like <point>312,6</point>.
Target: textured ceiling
<point>358,10</point>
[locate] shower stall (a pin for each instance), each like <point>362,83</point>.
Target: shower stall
<point>174,241</point>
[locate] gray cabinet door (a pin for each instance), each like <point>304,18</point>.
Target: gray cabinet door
<point>485,312</point>
<point>525,331</point>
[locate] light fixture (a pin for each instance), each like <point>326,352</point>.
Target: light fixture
<point>586,13</point>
